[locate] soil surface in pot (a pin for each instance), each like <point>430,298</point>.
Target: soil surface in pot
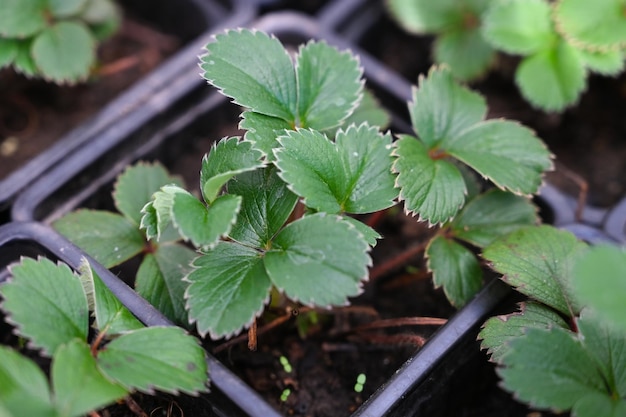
<point>34,114</point>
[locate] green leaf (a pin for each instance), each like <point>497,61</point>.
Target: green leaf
<point>159,280</point>
<point>110,314</point>
<point>491,215</point>
<point>607,346</point>
<point>267,204</point>
<point>553,78</point>
<point>549,369</point>
<point>25,390</point>
<point>263,131</point>
<point>426,16</point>
<point>329,85</point>
<point>134,188</point>
<point>599,281</point>
<point>519,26</point>
<point>79,387</point>
<point>195,222</point>
<point>24,62</point>
<point>603,62</point>
<point>254,70</point>
<point>46,302</point>
<point>162,358</point>
<point>319,260</point>
<point>108,237</point>
<point>351,175</point>
<point>98,12</point>
<point>65,8</point>
<point>226,159</point>
<point>538,262</point>
<point>432,189</point>
<point>229,287</point>
<point>602,26</point>
<point>595,404</point>
<point>442,109</point>
<point>498,331</point>
<point>466,53</point>
<point>65,52</point>
<point>455,268</point>
<point>505,152</point>
<point>20,19</point>
<point>9,49</point>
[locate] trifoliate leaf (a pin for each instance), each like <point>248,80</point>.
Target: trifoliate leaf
<point>507,153</point>
<point>329,85</point>
<point>134,188</point>
<point>538,262</point>
<point>64,52</point>
<point>229,287</point>
<point>318,260</point>
<point>8,51</point>
<point>25,390</point>
<point>442,109</point>
<point>156,358</point>
<point>263,131</point>
<point>455,268</point>
<point>79,386</point>
<point>599,281</point>
<point>352,175</point>
<point>498,331</point>
<point>111,316</point>
<point>466,53</point>
<point>491,215</point>
<point>600,27</point>
<point>553,78</point>
<point>550,369</point>
<point>266,206</point>
<point>159,280</point>
<point>254,70</point>
<point>519,26</point>
<point>20,19</point>
<point>432,189</point>
<point>226,159</point>
<point>603,62</point>
<point>46,303</point>
<point>108,237</point>
<point>65,8</point>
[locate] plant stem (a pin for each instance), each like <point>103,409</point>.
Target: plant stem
<point>397,261</point>
<point>403,321</point>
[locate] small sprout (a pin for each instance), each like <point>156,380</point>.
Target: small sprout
<point>360,382</point>
<point>286,365</point>
<point>285,395</point>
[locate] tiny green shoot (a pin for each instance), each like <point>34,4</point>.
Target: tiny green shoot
<point>285,363</point>
<point>360,383</point>
<point>284,396</point>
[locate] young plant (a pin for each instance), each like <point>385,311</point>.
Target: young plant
<point>560,42</point>
<point>55,40</point>
<point>456,25</point>
<point>113,238</point>
<point>49,306</point>
<point>557,352</point>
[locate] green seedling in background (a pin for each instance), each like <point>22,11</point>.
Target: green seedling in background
<point>558,353</point>
<point>54,40</point>
<point>50,306</point>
